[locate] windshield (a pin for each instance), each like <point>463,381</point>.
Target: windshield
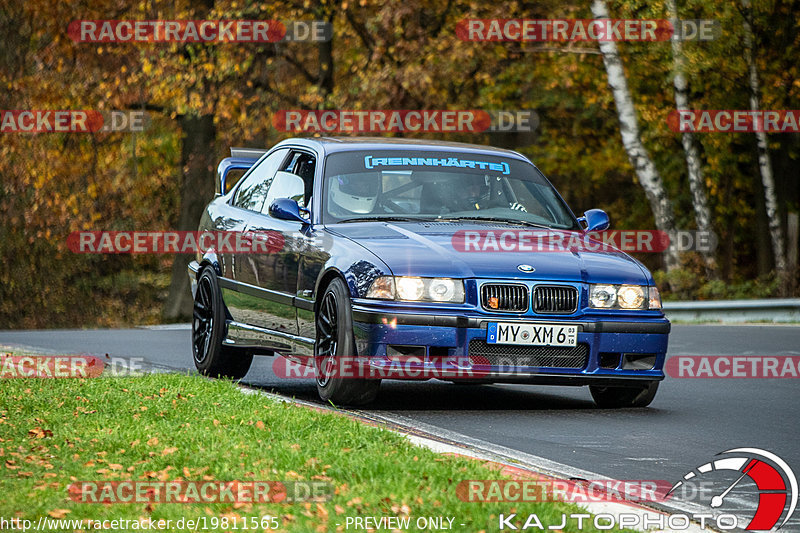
<point>411,185</point>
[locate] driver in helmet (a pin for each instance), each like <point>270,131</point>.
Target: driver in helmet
<point>354,193</point>
<point>476,195</point>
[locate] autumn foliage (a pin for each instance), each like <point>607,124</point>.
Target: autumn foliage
<point>203,98</point>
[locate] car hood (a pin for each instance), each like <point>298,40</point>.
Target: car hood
<point>427,249</point>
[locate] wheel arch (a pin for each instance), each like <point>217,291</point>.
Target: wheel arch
<point>212,260</point>
<point>209,259</point>
<point>327,277</point>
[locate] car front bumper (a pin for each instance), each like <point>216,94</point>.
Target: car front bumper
<point>411,345</point>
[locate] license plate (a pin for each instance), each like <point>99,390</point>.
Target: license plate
<point>531,334</point>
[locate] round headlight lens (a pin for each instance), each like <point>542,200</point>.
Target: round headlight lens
<point>631,296</point>
<point>410,288</point>
<point>603,296</point>
<point>441,290</point>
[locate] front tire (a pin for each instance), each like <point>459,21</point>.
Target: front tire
<point>617,397</point>
<point>335,341</point>
<point>211,358</point>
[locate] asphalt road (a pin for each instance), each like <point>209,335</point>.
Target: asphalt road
<point>689,422</point>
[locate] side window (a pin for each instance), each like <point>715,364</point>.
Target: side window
<point>253,189</point>
<point>233,177</point>
<point>304,165</point>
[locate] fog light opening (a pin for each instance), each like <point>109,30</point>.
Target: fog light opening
<point>638,361</point>
<point>405,354</point>
<point>609,360</point>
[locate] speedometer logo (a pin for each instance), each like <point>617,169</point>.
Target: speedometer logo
<point>775,482</point>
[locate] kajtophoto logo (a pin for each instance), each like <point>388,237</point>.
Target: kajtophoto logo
<point>775,483</point>
<point>757,476</point>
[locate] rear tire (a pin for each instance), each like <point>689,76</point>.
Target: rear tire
<point>211,358</point>
<point>617,397</point>
<point>335,340</point>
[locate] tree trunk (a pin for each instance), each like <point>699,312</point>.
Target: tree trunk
<point>646,171</point>
<point>197,189</point>
<point>764,162</point>
<point>763,248</point>
<point>325,49</point>
<point>325,79</point>
<point>697,185</point>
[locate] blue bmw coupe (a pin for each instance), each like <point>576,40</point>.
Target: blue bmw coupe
<point>408,259</point>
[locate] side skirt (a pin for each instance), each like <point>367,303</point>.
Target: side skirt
<point>264,340</point>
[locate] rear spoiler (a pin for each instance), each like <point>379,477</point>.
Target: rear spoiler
<point>248,153</point>
<point>240,159</point>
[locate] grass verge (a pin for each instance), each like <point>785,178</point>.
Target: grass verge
<point>54,432</point>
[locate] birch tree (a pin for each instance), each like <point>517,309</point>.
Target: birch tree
<point>694,166</point>
<point>646,171</point>
<point>764,162</point>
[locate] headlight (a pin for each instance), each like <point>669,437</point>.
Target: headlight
<point>410,288</point>
<point>417,289</point>
<point>603,296</point>
<point>631,296</point>
<point>624,297</point>
<point>442,289</point>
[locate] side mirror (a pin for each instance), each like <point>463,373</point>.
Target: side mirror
<point>595,220</point>
<point>285,185</point>
<point>287,209</point>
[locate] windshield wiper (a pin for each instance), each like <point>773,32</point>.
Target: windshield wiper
<point>497,219</point>
<point>387,219</point>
